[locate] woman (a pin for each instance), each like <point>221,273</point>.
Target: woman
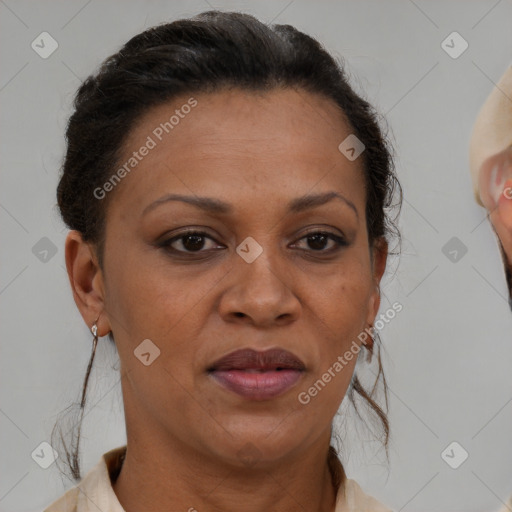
<point>490,153</point>
<point>226,192</point>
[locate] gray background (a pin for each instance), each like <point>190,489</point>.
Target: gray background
<point>448,353</point>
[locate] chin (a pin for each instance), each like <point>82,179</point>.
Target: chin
<point>250,447</point>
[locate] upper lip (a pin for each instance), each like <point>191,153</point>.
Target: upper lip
<point>249,359</point>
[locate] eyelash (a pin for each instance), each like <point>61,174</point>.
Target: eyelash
<point>166,244</point>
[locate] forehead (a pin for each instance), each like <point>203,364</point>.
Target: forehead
<point>223,143</point>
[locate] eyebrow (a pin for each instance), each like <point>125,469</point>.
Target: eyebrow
<point>216,206</point>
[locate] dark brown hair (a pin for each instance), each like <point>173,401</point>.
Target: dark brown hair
<point>207,53</point>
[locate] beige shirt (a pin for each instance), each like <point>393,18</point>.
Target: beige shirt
<point>95,492</point>
<point>507,507</point>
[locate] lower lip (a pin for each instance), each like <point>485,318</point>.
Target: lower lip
<point>257,385</point>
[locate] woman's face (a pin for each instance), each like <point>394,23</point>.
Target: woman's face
<point>255,278</point>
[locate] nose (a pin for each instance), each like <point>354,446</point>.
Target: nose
<point>261,293</point>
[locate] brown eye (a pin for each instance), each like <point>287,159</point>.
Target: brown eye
<point>188,242</point>
<point>318,240</point>
<point>192,242</point>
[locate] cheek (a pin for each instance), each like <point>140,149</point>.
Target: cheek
<point>143,296</point>
<point>342,299</point>
<point>322,394</point>
<point>158,303</point>
<point>151,319</point>
<point>341,310</point>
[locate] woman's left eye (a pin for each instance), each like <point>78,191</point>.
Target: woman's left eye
<point>194,241</point>
<point>318,239</point>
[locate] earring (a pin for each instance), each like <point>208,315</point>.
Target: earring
<point>369,346</point>
<point>94,330</point>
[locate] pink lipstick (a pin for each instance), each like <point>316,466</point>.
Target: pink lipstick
<point>258,375</point>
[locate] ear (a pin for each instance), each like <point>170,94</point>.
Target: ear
<point>379,260</point>
<point>86,279</point>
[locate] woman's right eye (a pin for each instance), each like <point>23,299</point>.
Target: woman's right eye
<point>190,241</point>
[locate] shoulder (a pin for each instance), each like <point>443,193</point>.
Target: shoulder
<point>66,503</point>
<point>507,506</point>
<point>94,492</point>
<point>353,499</point>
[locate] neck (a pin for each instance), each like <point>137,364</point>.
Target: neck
<point>161,479</point>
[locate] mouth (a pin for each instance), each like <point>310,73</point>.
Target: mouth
<point>258,375</point>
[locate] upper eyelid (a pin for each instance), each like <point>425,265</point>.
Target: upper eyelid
<point>192,231</point>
